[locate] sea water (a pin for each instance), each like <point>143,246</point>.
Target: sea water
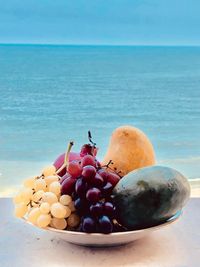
<point>50,95</point>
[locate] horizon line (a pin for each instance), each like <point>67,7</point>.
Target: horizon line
<point>111,45</point>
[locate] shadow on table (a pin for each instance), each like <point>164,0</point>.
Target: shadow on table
<point>154,248</point>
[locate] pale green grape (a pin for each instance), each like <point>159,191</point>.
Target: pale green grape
<point>43,220</point>
<point>73,220</point>
<point>55,188</point>
<point>58,210</point>
<point>68,211</point>
<point>65,200</point>
<point>29,182</point>
<point>49,197</point>
<point>59,223</point>
<point>37,195</point>
<point>40,184</point>
<point>50,179</point>
<point>49,170</point>
<point>71,206</point>
<point>45,208</point>
<point>20,210</point>
<point>33,215</point>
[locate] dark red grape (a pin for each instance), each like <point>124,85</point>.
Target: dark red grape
<point>68,186</point>
<point>113,178</point>
<point>96,209</point>
<point>98,164</point>
<point>81,187</point>
<point>81,206</point>
<point>107,189</point>
<point>105,225</point>
<point>104,174</point>
<point>67,175</point>
<point>98,181</point>
<point>86,150</point>
<point>93,195</point>
<point>74,169</point>
<point>88,225</point>
<point>88,160</point>
<point>108,209</point>
<point>88,172</point>
<point>77,204</point>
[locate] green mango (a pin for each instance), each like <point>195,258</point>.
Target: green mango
<point>149,196</point>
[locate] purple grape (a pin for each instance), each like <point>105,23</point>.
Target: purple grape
<point>67,175</point>
<point>107,189</point>
<point>74,168</point>
<point>98,180</point>
<point>108,209</point>
<point>81,187</point>
<point>88,225</point>
<point>88,160</point>
<point>96,209</point>
<point>104,174</point>
<point>81,206</point>
<point>86,150</point>
<point>93,195</point>
<point>88,173</point>
<point>113,178</point>
<point>105,225</point>
<point>98,164</point>
<point>68,186</point>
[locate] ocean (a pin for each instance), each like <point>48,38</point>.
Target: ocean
<point>52,94</point>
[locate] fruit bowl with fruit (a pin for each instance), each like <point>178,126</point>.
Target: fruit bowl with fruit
<point>116,201</point>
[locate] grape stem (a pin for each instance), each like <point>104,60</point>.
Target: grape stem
<point>66,159</point>
<point>107,166</point>
<point>90,138</point>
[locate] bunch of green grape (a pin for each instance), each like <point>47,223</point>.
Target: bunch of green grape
<point>40,202</point>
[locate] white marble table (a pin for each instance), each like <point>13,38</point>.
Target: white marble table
<point>22,245</point>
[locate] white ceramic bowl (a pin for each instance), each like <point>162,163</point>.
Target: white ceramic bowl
<point>106,240</point>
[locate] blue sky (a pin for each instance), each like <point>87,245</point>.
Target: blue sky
<point>132,22</point>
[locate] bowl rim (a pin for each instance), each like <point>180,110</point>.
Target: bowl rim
<point>172,219</point>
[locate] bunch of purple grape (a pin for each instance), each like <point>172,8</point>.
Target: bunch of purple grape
<point>91,185</point>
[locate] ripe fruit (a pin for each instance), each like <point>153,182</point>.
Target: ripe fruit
<point>49,170</point>
<point>39,184</point>
<point>88,160</point>
<point>44,208</point>
<point>98,181</point>
<point>88,173</point>
<point>20,210</point>
<point>43,220</point>
<point>153,194</point>
<point>49,197</point>
<point>33,215</point>
<point>58,210</point>
<point>93,195</point>
<point>129,149</point>
<point>79,199</point>
<point>81,187</point>
<point>74,168</point>
<point>65,200</point>
<point>89,225</point>
<point>73,220</point>
<point>29,182</point>
<point>60,224</point>
<point>68,186</point>
<point>108,209</point>
<point>105,225</point>
<point>96,209</point>
<point>55,188</point>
